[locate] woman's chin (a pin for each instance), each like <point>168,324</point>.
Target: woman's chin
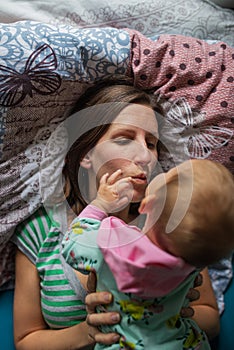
<point>137,198</point>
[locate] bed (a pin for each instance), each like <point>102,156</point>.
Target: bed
<point>81,42</point>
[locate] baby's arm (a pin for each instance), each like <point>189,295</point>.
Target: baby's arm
<point>114,193</point>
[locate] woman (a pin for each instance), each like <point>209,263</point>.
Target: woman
<point>49,308</point>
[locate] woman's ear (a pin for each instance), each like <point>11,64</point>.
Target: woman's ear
<point>86,162</point>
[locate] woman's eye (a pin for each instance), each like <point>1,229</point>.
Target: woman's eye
<point>122,141</point>
<point>152,145</point>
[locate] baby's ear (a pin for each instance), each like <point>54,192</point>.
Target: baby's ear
<point>147,204</point>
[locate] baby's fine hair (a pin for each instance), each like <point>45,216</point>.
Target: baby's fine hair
<point>206,232</point>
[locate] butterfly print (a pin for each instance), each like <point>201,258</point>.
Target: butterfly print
<point>199,141</point>
<point>37,76</point>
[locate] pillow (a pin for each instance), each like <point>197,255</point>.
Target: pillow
<point>198,18</point>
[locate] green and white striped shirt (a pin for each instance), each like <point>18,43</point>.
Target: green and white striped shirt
<point>62,296</point>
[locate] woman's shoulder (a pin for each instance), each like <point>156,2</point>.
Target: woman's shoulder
<point>39,221</point>
<point>32,232</point>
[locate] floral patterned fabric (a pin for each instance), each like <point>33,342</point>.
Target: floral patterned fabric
<point>195,78</point>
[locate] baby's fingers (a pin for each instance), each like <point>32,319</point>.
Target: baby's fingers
<point>104,178</point>
<point>110,179</point>
<point>114,177</point>
<point>124,187</point>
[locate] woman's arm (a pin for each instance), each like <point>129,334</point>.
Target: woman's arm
<point>206,312</point>
<point>30,329</point>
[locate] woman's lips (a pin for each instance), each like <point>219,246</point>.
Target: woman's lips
<point>139,179</point>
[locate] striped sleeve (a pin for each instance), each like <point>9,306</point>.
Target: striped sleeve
<point>30,234</point>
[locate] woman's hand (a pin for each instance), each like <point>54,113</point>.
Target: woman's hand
<point>95,319</point>
<point>206,312</point>
<point>193,295</point>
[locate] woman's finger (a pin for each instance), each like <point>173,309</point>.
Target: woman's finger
<point>91,282</point>
<point>94,319</point>
<point>198,280</point>
<point>105,318</point>
<point>187,312</point>
<point>193,294</point>
<point>106,338</point>
<point>94,299</point>
<point>95,336</point>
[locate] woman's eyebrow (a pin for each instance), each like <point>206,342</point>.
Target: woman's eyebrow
<point>122,129</point>
<point>153,134</point>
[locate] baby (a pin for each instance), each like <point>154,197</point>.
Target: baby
<point>189,224</point>
<point>203,191</point>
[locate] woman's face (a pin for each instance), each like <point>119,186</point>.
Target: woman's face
<point>130,144</point>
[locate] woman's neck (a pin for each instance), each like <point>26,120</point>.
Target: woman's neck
<point>127,216</point>
<point>123,215</point>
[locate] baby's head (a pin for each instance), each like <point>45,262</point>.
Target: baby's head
<point>190,211</point>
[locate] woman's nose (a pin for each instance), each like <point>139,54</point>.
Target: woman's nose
<point>142,155</point>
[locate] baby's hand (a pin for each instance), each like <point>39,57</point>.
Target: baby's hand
<point>114,193</point>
